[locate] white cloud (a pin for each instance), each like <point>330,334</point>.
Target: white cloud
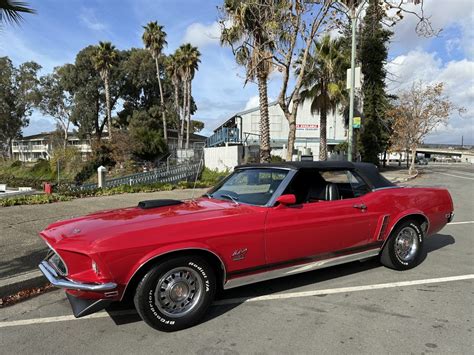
<point>89,19</point>
<point>458,77</point>
<point>442,15</point>
<point>252,102</point>
<point>202,35</point>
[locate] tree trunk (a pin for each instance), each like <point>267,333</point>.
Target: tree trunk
<point>176,105</point>
<point>412,164</point>
<point>66,136</point>
<point>265,150</point>
<point>400,159</point>
<point>291,135</point>
<point>323,149</point>
<point>408,158</point>
<point>10,148</point>
<point>188,118</point>
<point>162,101</point>
<point>183,118</point>
<point>109,111</point>
<point>384,163</point>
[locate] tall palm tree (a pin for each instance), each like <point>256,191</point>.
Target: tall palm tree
<point>250,23</point>
<point>154,39</point>
<point>324,83</point>
<point>173,71</point>
<point>11,11</point>
<point>189,59</point>
<point>105,58</point>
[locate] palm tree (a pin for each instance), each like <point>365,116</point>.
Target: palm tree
<point>173,71</point>
<point>188,60</point>
<point>324,83</point>
<point>154,39</point>
<point>247,37</point>
<point>11,11</point>
<point>105,58</point>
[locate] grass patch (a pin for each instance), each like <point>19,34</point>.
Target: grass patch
<point>33,200</point>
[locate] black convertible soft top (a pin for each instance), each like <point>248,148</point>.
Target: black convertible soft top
<point>368,170</point>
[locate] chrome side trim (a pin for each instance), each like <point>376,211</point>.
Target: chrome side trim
<point>296,269</point>
<point>172,251</point>
<point>59,281</point>
<point>388,187</point>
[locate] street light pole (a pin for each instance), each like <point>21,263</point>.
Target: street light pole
<point>351,89</point>
<point>353,12</point>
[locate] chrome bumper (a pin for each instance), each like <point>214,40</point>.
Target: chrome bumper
<point>62,282</point>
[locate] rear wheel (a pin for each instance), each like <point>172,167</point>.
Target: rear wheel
<point>176,293</point>
<point>404,246</point>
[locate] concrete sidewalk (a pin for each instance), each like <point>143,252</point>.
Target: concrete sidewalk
<point>21,249</point>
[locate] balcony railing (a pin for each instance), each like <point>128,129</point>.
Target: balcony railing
<point>222,136</point>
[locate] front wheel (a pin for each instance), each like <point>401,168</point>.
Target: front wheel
<point>404,246</point>
<point>176,293</point>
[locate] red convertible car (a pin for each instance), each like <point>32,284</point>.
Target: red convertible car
<point>262,222</point>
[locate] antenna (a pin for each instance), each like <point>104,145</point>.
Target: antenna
<point>201,163</point>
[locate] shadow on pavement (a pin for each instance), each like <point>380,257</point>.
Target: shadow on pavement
<point>431,244</point>
<point>22,264</point>
<point>436,242</point>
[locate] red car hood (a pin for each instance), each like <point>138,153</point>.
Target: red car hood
<point>76,233</point>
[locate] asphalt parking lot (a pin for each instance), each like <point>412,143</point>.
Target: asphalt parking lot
<point>352,308</point>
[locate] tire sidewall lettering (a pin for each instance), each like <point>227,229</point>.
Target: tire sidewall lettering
<point>419,235</point>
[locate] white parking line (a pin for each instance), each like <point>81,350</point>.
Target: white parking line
<point>460,177</point>
<point>454,223</point>
<point>344,290</point>
<point>254,299</point>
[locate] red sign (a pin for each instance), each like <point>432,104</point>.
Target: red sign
<point>307,126</point>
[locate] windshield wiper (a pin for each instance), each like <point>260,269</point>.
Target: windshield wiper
<point>233,199</point>
<point>207,195</point>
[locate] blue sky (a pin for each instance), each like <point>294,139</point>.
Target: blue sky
<point>62,28</point>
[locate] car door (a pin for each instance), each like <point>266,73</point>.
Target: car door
<point>319,229</point>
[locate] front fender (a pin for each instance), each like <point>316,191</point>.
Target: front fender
<point>161,251</point>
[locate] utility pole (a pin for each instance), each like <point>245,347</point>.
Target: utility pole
<point>353,12</point>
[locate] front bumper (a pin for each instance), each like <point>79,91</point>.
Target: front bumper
<point>63,282</point>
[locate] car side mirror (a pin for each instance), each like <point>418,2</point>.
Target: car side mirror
<point>286,200</point>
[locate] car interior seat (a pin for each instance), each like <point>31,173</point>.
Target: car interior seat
<point>327,192</point>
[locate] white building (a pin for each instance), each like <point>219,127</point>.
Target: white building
<point>39,146</point>
<point>243,129</point>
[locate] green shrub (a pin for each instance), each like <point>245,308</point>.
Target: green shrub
<point>16,164</point>
<point>33,200</point>
<point>41,169</point>
<point>212,177</point>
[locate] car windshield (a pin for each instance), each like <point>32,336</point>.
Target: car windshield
<point>250,186</point>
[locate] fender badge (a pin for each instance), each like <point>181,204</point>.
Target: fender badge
<point>76,231</point>
<point>239,254</point>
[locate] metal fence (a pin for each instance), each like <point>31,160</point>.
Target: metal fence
<point>164,174</point>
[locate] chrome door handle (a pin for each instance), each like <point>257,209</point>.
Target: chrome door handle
<point>360,206</point>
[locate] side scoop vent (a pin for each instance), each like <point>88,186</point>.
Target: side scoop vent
<point>157,203</point>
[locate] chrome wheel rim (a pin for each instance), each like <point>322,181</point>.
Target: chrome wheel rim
<point>178,292</point>
<point>406,244</point>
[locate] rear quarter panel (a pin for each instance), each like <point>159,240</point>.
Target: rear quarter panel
<point>397,203</point>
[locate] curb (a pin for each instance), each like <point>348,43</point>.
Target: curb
<point>18,283</point>
<point>411,177</point>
